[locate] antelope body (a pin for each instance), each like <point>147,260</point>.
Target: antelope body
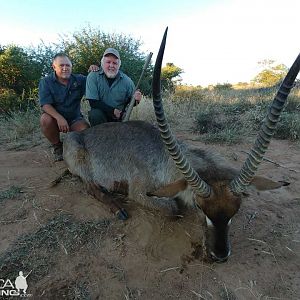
<point>149,166</point>
<point>133,155</point>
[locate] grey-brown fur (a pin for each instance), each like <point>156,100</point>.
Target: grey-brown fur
<point>133,152</point>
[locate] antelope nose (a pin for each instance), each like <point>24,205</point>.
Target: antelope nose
<point>219,259</point>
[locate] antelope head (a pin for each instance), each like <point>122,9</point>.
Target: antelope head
<point>220,200</point>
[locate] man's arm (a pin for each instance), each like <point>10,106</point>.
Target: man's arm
<point>93,68</point>
<point>46,100</point>
<point>62,123</point>
<point>134,93</point>
<point>91,91</point>
<point>101,105</point>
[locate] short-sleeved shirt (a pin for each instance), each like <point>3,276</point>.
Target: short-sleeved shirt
<point>65,99</point>
<point>118,95</point>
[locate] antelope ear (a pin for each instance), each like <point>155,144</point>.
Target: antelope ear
<point>170,190</point>
<point>264,184</point>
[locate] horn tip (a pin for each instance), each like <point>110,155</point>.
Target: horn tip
<point>166,32</point>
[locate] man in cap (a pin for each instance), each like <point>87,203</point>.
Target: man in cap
<point>109,90</point>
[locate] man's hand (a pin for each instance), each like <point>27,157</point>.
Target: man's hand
<point>62,124</point>
<point>93,68</point>
<point>137,96</point>
<point>117,113</point>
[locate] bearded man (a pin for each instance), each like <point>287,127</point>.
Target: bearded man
<point>109,90</point>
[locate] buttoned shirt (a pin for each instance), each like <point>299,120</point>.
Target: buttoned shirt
<point>118,95</point>
<point>64,98</point>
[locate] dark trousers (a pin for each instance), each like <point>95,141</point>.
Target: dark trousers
<point>98,116</point>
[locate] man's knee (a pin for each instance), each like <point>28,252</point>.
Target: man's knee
<point>79,125</point>
<point>47,121</point>
<point>97,116</point>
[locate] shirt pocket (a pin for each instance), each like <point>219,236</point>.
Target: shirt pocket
<point>58,97</point>
<point>75,92</point>
<point>121,95</point>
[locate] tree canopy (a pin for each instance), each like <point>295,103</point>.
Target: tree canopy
<point>170,76</point>
<point>19,71</point>
<point>22,68</point>
<point>271,74</point>
<point>85,47</point>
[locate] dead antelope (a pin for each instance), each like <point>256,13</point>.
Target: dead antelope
<point>149,166</point>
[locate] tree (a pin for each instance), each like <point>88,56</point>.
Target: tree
<point>43,55</point>
<point>85,47</point>
<point>21,69</point>
<point>18,70</point>
<point>170,76</point>
<point>271,74</point>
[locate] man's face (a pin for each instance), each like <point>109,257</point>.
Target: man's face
<point>62,67</point>
<point>110,65</point>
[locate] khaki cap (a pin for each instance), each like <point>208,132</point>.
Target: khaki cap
<point>112,51</point>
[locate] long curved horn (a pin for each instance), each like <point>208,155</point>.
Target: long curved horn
<point>191,176</point>
<point>266,132</point>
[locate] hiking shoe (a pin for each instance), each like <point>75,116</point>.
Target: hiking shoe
<point>58,151</point>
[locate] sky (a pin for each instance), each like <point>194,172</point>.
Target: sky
<point>213,41</point>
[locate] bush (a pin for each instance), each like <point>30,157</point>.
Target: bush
<point>228,136</point>
<point>186,93</point>
<point>208,120</point>
<point>18,70</point>
<point>86,46</point>
<point>223,86</point>
<point>238,107</point>
<point>231,115</point>
<point>289,126</point>
<point>10,101</point>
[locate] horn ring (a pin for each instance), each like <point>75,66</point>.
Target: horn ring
<point>191,176</point>
<point>266,132</point>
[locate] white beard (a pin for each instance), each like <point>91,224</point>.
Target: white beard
<point>110,74</point>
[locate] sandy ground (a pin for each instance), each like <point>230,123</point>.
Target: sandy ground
<point>75,249</point>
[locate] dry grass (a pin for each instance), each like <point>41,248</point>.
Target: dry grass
<point>21,129</point>
<point>224,116</point>
<point>62,234</point>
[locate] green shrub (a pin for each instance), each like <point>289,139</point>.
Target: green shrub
<point>293,103</point>
<point>238,107</point>
<point>229,135</point>
<point>19,71</point>
<point>208,120</point>
<point>223,86</point>
<point>289,126</point>
<point>232,114</point>
<point>186,93</point>
<point>10,101</point>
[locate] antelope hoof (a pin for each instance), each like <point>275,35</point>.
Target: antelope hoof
<point>122,214</point>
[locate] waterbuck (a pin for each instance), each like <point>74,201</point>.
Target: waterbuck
<point>150,166</point>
